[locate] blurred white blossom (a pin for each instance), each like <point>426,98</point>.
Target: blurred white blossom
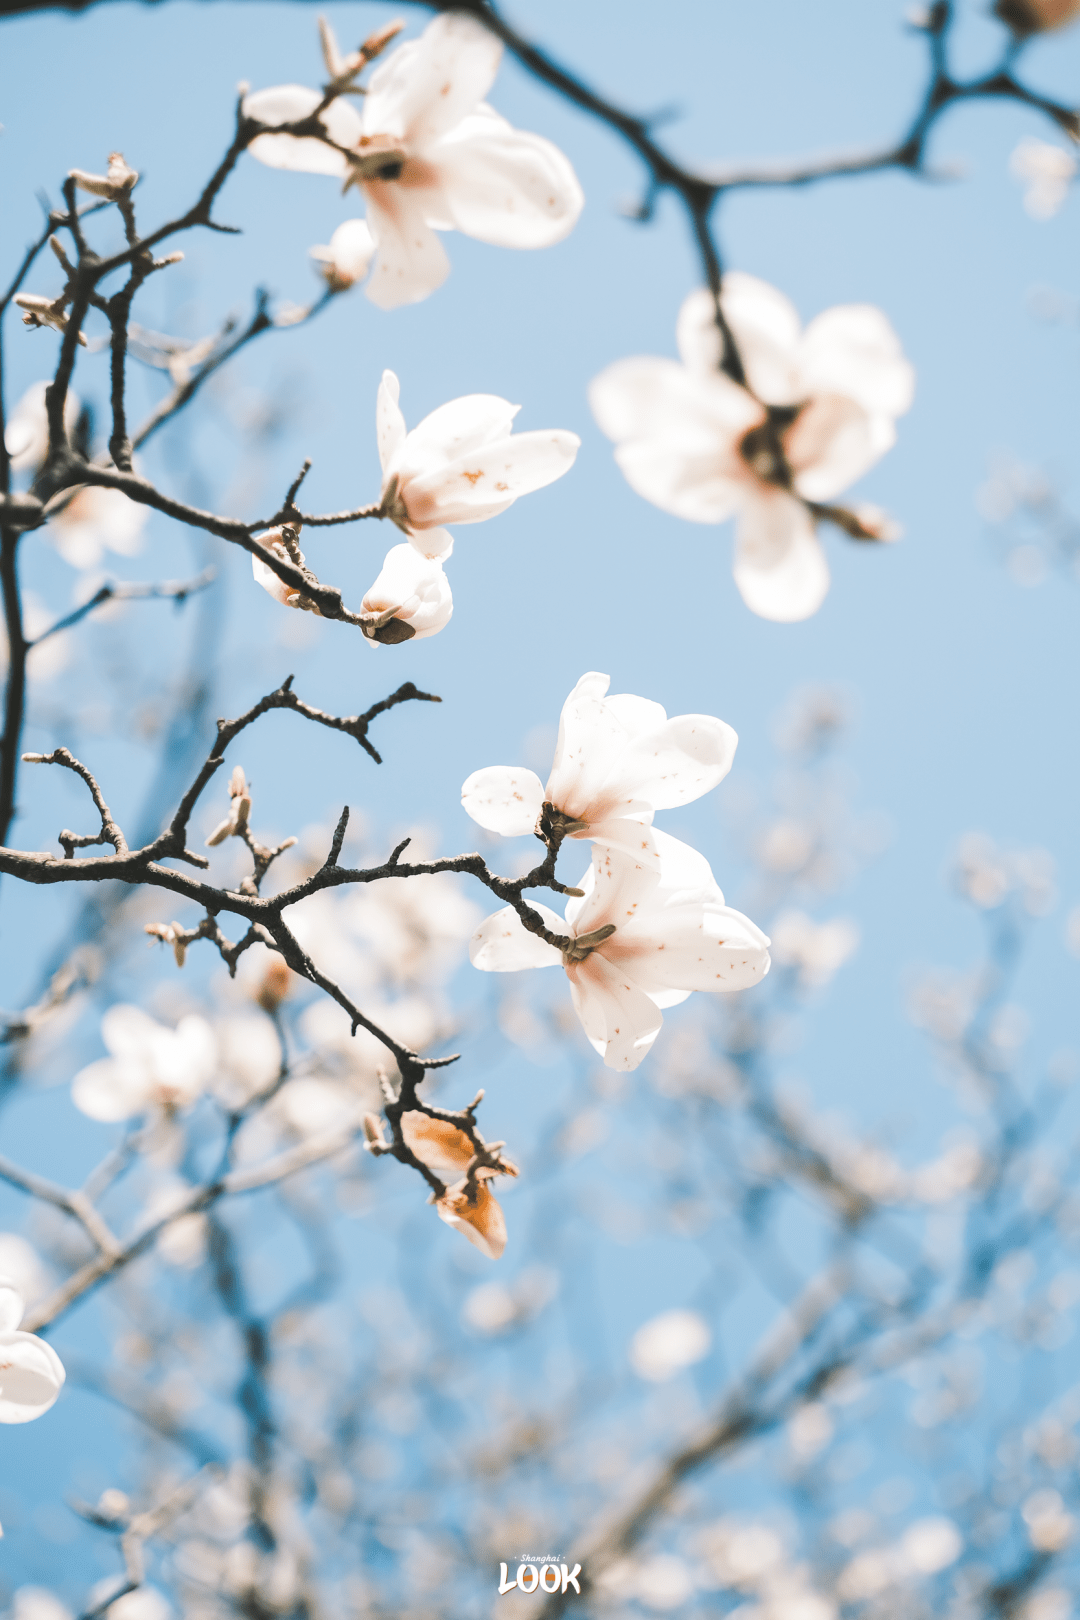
<point>149,1066</point>
<point>31,1373</point>
<point>669,1342</point>
<point>814,950</point>
<point>1046,173</point>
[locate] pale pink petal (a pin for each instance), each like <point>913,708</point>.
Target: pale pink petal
<point>765,326</point>
<point>620,1020</point>
<point>677,763</point>
<point>389,421</point>
<point>286,104</point>
<point>690,944</point>
<point>502,945</point>
<point>701,488</point>
<point>272,583</point>
<point>11,1306</point>
<point>455,429</point>
<point>505,186</point>
<point>111,1089</point>
<point>31,1377</point>
<point>831,443</point>
<point>590,738</point>
<point>434,544</point>
<point>411,262</point>
<point>630,833</point>
<point>416,588</point>
<point>646,397</point>
<point>780,567</point>
<point>504,799</point>
<point>428,85</point>
<point>622,886</point>
<point>485,482</point>
<point>853,350</point>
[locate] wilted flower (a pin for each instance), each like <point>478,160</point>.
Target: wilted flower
<point>31,1373</point>
<point>816,413</point>
<point>410,599</point>
<point>174,934</point>
<point>617,761</point>
<point>347,257</point>
<point>150,1066</point>
<point>235,823</point>
<point>814,950</point>
<point>474,1212</point>
<point>461,464</point>
<point>429,155</point>
<point>1046,172</point>
<point>1037,16</point>
<point>116,183</point>
<point>27,433</point>
<point>640,940</point>
<point>668,1343</point>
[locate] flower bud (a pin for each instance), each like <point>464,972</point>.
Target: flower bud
<point>275,986</point>
<point>347,257</point>
<point>114,184</point>
<point>410,599</point>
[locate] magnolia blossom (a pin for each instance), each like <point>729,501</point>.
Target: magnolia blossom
<point>94,520</point>
<point>817,412</point>
<point>668,1343</point>
<point>1037,16</point>
<point>1046,172</point>
<point>814,950</point>
<point>446,1149</point>
<point>149,1066</point>
<point>41,311</point>
<point>273,584</point>
<point>617,760</point>
<point>461,464</point>
<point>428,155</point>
<point>26,436</point>
<point>116,183</point>
<point>346,258</point>
<point>31,1372</point>
<point>643,937</point>
<point>410,599</point>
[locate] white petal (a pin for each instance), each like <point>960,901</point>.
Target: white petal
<point>691,944</point>
<point>455,429</point>
<point>620,1020</point>
<point>31,1377</point>
<point>428,85</point>
<point>853,350</point>
<point>128,1032</point>
<point>411,262</point>
<point>673,765</point>
<point>389,421</point>
<point>780,567</point>
<point>486,481</point>
<point>623,886</point>
<point>590,738</point>
<point>765,326</point>
<point>11,1306</point>
<point>505,186</point>
<point>111,1089</point>
<point>502,945</point>
<point>434,544</point>
<point>683,868</point>
<point>27,433</point>
<point>416,587</point>
<point>832,442</point>
<point>272,584</point>
<point>637,715</point>
<point>347,257</point>
<point>646,397</point>
<point>286,104</point>
<point>504,799</point>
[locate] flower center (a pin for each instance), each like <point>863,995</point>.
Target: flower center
<point>553,823</point>
<point>584,945</point>
<point>763,447</point>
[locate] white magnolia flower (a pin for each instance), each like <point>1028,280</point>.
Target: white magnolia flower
<point>461,464</point>
<point>817,412</point>
<point>114,184</point>
<point>428,155</point>
<point>95,520</point>
<point>668,1343</point>
<point>346,258</point>
<point>410,599</point>
<point>31,1372</point>
<point>618,759</point>
<point>814,950</point>
<point>640,940</point>
<point>1046,172</point>
<point>27,433</point>
<point>150,1066</point>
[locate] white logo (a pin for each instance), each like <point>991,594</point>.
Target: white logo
<point>540,1575</point>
